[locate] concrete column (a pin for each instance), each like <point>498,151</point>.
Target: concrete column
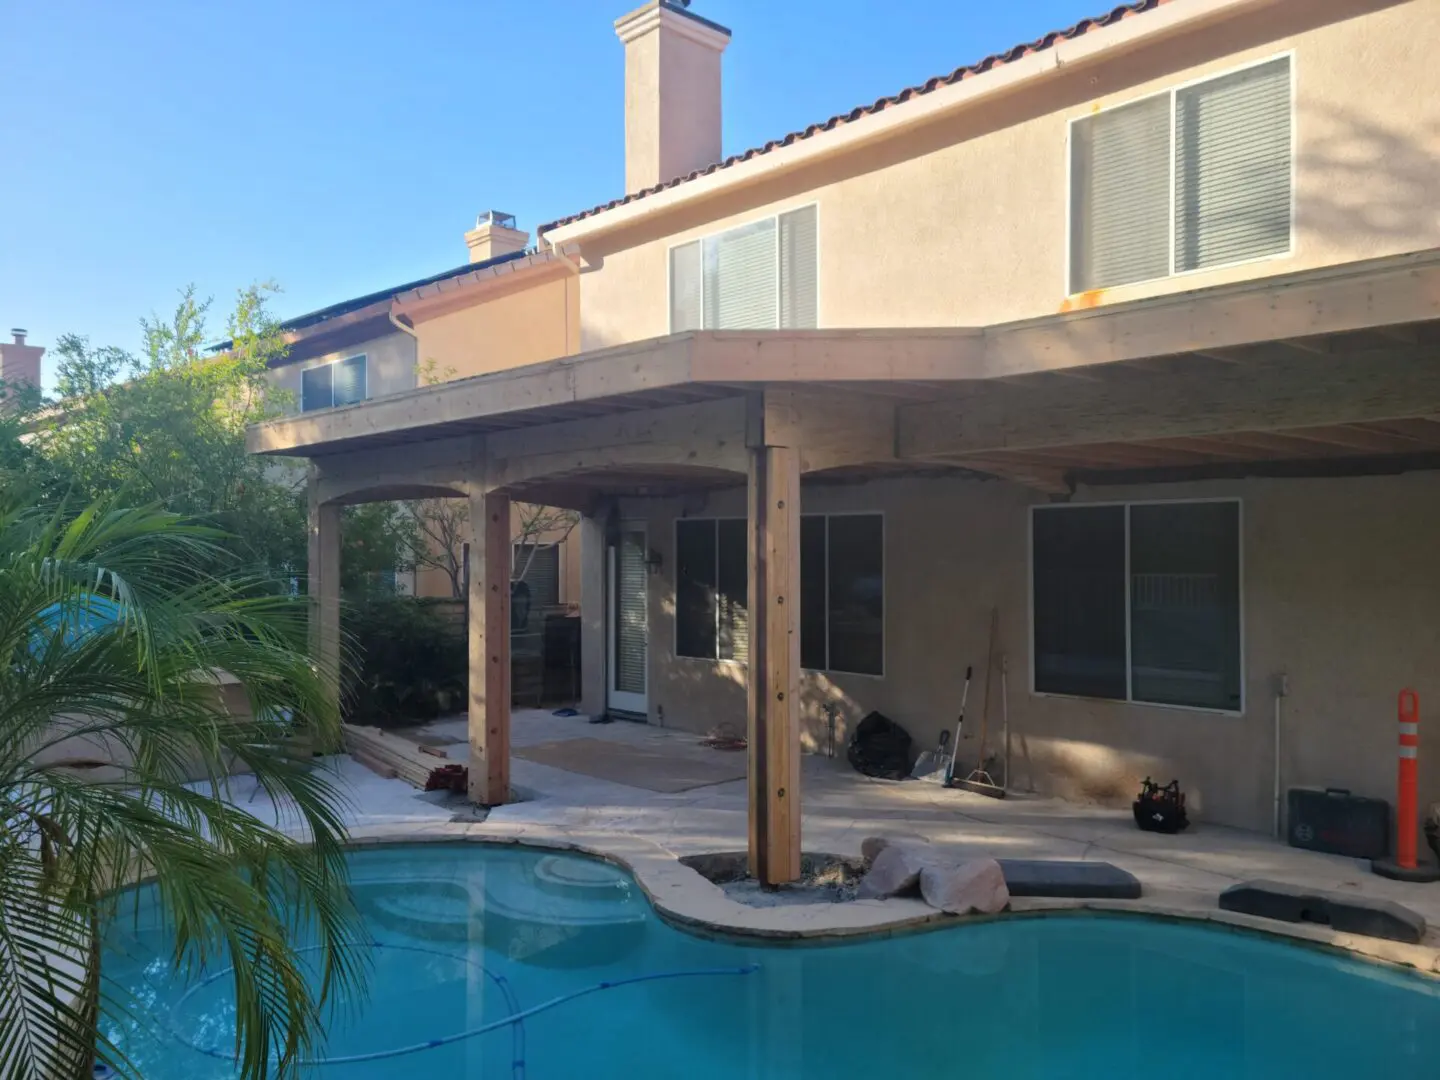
<point>593,639</point>
<point>324,588</point>
<point>772,688</point>
<point>489,634</point>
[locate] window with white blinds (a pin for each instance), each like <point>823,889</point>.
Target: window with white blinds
<point>1193,178</point>
<point>329,385</point>
<point>759,276</point>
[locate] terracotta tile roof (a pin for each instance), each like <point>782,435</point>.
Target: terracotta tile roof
<point>1084,26</point>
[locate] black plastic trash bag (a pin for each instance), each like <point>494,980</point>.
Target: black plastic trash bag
<point>880,747</point>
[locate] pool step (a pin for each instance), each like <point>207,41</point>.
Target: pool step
<point>1348,914</point>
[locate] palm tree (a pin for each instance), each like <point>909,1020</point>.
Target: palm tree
<point>113,627</point>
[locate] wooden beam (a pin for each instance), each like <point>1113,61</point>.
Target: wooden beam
<point>323,583</point>
<point>1356,296</point>
<point>708,434</point>
<point>772,689</point>
<point>1300,392</point>
<point>836,355</point>
<point>489,711</point>
<point>832,430</point>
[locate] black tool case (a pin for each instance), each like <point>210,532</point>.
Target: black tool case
<point>1336,821</point>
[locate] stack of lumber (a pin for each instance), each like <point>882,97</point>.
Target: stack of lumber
<point>390,754</point>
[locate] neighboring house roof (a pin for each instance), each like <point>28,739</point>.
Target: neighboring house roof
<point>995,60</point>
<point>300,322</point>
<point>358,303</point>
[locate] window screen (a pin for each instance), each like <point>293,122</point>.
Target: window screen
<point>1079,598</point>
<point>315,388</point>
<point>813,601</point>
<point>1232,167</point>
<point>685,311</point>
<point>1174,638</point>
<point>1185,604</point>
<point>1120,183</point>
<point>695,549</point>
<point>1196,177</point>
<point>759,276</point>
<point>539,568</point>
<point>349,380</point>
<point>798,270</point>
<point>732,574</point>
<point>711,578</point>
<point>842,593</point>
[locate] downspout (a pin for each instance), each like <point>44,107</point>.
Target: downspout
<point>574,268</point>
<point>405,328</point>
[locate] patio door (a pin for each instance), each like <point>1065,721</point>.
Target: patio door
<point>628,620</point>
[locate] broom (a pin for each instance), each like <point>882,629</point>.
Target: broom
<point>979,781</point>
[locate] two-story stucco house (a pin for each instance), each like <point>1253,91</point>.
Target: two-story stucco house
<point>1124,342</point>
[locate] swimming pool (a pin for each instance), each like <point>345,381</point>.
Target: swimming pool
<point>470,935</point>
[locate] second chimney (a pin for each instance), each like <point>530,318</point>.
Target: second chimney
<point>672,92</point>
<point>494,235</point>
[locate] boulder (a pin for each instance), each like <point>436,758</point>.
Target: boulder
<point>871,846</point>
<point>895,872</point>
<point>974,887</point>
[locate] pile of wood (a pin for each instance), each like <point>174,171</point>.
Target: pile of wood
<point>391,755</point>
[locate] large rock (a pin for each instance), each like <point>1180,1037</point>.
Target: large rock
<point>975,887</point>
<point>895,872</point>
<point>871,846</point>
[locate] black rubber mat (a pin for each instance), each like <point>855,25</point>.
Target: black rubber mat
<point>1069,878</point>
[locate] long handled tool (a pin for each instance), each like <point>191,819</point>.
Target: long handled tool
<point>980,781</point>
<point>960,723</point>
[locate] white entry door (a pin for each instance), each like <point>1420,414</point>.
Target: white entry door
<point>628,620</point>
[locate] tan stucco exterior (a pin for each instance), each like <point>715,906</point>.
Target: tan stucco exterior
<point>1340,587</point>
<point>534,320</point>
<point>962,222</point>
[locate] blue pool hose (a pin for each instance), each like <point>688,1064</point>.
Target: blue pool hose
<point>515,1018</point>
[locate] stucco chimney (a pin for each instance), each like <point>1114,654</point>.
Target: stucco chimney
<point>672,92</point>
<point>494,235</point>
<point>20,363</point>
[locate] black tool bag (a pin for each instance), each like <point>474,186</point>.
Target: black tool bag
<point>1161,809</point>
<point>880,747</point>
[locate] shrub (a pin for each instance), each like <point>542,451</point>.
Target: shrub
<point>411,661</point>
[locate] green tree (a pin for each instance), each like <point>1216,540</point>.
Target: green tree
<point>168,426</point>
<point>115,621</point>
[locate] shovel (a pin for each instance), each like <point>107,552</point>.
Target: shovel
<point>932,765</point>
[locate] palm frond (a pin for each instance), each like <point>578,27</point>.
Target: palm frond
<point>117,627</point>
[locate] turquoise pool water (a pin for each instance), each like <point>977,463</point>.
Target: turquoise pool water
<point>469,935</point>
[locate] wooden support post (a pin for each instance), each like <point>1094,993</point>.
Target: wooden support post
<point>323,580</point>
<point>772,692</point>
<point>489,647</point>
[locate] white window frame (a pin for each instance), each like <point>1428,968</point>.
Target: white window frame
<point>700,238</point>
<point>1129,698</point>
<point>364,380</point>
<point>1172,92</point>
<point>884,594</point>
<point>675,622</point>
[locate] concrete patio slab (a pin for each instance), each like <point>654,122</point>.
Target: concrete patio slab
<point>647,831</point>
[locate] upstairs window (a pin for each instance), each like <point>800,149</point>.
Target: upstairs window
<point>329,385</point>
<point>1193,178</point>
<point>758,276</point>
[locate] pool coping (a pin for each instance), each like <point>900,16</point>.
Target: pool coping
<point>684,898</point>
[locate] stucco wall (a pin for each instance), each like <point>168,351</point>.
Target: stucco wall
<point>1341,590</point>
<point>525,325</point>
<point>964,222</point>
<point>389,366</point>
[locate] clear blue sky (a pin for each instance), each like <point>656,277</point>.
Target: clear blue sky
<point>337,147</point>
